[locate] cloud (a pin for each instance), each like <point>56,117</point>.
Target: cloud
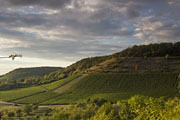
<point>53,4</point>
<point>74,29</point>
<point>153,30</point>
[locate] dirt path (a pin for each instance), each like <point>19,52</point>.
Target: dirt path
<point>70,84</point>
<point>2,103</point>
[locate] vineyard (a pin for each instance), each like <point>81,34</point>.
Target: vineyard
<point>31,92</point>
<point>119,86</point>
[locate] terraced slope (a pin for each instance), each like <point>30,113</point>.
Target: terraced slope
<point>137,64</point>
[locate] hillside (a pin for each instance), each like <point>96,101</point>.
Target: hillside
<point>114,87</point>
<point>112,77</point>
<point>142,58</point>
<point>25,76</point>
<point>137,64</point>
<point>111,87</point>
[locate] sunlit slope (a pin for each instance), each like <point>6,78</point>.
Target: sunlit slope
<point>24,93</point>
<point>119,86</point>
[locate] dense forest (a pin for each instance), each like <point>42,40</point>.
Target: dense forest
<point>151,50</point>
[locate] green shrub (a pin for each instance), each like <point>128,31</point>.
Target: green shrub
<point>11,114</point>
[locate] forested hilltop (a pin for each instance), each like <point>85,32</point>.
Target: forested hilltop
<point>151,50</point>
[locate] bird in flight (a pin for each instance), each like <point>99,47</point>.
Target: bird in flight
<point>13,56</point>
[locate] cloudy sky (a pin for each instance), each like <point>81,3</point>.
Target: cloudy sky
<point>60,32</point>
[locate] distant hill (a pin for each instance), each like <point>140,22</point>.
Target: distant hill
<point>26,76</point>
<point>142,58</point>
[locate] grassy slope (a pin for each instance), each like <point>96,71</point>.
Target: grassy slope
<point>18,93</point>
<point>119,86</point>
<point>56,84</point>
<point>36,99</point>
<point>12,95</point>
<point>108,86</point>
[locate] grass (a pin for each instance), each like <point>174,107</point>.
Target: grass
<point>119,86</point>
<point>19,93</point>
<point>37,99</point>
<point>33,92</point>
<point>59,83</point>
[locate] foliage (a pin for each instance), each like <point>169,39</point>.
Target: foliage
<point>135,108</point>
<point>151,50</point>
<point>27,109</point>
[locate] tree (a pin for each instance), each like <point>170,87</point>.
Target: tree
<point>167,56</point>
<point>27,109</point>
<point>11,114</point>
<point>18,112</point>
<point>1,115</point>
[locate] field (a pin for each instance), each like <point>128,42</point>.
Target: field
<point>119,86</point>
<point>112,87</point>
<point>36,99</point>
<point>59,83</point>
<point>11,95</point>
<point>33,92</point>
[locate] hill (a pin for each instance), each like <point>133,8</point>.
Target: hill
<point>25,76</point>
<point>117,75</point>
<point>142,58</point>
<point>119,86</point>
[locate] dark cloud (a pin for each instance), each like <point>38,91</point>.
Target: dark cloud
<point>54,4</point>
<point>132,13</point>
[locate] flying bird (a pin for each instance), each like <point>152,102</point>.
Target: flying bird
<point>13,56</point>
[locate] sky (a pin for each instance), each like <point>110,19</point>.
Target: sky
<point>61,32</point>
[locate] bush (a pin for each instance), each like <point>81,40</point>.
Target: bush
<point>61,116</point>
<point>11,114</point>
<point>27,109</point>
<point>98,101</point>
<point>167,56</point>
